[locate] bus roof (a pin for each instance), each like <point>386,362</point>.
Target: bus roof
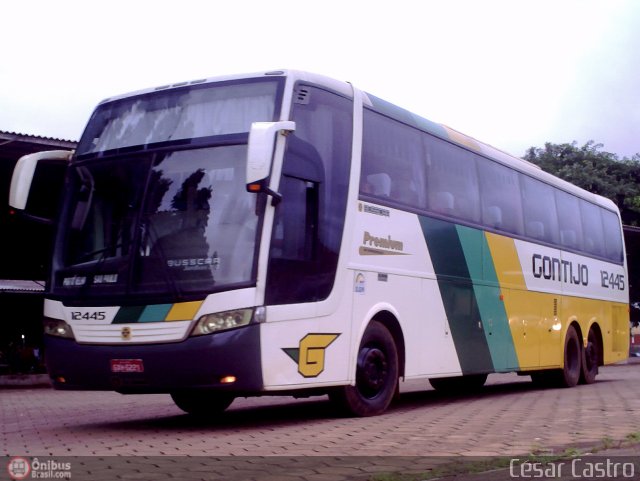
<point>404,116</point>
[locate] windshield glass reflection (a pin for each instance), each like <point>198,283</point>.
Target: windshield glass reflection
<point>200,223</point>
<point>178,222</point>
<point>186,113</point>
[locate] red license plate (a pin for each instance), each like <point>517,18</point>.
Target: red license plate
<point>127,365</point>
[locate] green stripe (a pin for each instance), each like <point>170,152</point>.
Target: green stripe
<point>398,113</point>
<point>131,314</point>
<point>155,313</point>
<point>458,295</point>
<point>487,292</point>
<point>128,314</point>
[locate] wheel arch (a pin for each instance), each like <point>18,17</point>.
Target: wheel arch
<point>573,322</point>
<point>582,334</point>
<point>390,321</point>
<point>598,332</point>
<point>576,326</point>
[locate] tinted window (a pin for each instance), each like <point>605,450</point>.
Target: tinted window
<point>501,204</point>
<point>612,235</point>
<point>540,218</point>
<point>392,161</point>
<point>401,165</point>
<point>592,226</point>
<point>452,180</point>
<point>569,220</point>
<point>308,224</point>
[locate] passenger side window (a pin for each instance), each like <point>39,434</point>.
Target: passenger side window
<point>405,166</point>
<point>452,180</point>
<point>569,220</point>
<point>612,236</point>
<point>540,218</point>
<point>392,166</point>
<point>501,202</point>
<point>592,224</point>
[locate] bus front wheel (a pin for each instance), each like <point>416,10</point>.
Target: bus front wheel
<point>202,403</point>
<point>376,375</point>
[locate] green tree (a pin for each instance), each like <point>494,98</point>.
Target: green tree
<point>594,170</point>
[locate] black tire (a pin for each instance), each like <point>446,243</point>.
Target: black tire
<point>569,375</point>
<point>459,384</point>
<point>590,359</point>
<point>377,375</point>
<point>202,403</point>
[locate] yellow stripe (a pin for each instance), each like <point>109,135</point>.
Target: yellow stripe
<point>506,261</point>
<point>183,311</point>
<point>520,304</point>
<point>539,321</point>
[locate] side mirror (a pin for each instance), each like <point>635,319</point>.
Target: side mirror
<point>262,142</point>
<point>36,179</point>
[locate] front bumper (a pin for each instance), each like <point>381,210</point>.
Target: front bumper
<point>195,363</point>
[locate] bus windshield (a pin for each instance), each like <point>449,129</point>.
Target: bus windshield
<point>180,114</point>
<point>167,218</point>
<point>179,222</point>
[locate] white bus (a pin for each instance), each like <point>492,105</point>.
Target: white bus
<point>286,233</point>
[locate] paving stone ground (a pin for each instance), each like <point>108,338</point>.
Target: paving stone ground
<point>283,438</point>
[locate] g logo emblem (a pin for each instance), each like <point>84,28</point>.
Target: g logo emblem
<point>310,354</point>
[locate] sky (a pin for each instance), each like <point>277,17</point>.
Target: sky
<point>512,73</point>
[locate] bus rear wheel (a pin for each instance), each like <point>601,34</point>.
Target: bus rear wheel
<point>376,375</point>
<point>202,403</point>
<point>569,375</point>
<point>590,359</point>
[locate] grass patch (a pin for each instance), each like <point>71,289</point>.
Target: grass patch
<point>538,455</point>
<point>452,469</point>
<point>607,443</point>
<point>633,438</point>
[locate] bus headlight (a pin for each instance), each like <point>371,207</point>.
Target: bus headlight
<point>222,321</point>
<point>58,328</point>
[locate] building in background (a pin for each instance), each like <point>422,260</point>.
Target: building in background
<point>24,260</point>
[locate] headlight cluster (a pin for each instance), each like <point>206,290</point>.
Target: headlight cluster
<point>222,321</point>
<point>58,328</point>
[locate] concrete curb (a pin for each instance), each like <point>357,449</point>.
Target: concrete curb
<point>24,381</point>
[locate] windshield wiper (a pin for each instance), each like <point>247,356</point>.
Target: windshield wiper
<point>102,251</point>
<point>85,198</point>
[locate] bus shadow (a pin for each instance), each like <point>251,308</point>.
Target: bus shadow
<point>433,398</point>
<point>287,411</point>
<point>283,412</point>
